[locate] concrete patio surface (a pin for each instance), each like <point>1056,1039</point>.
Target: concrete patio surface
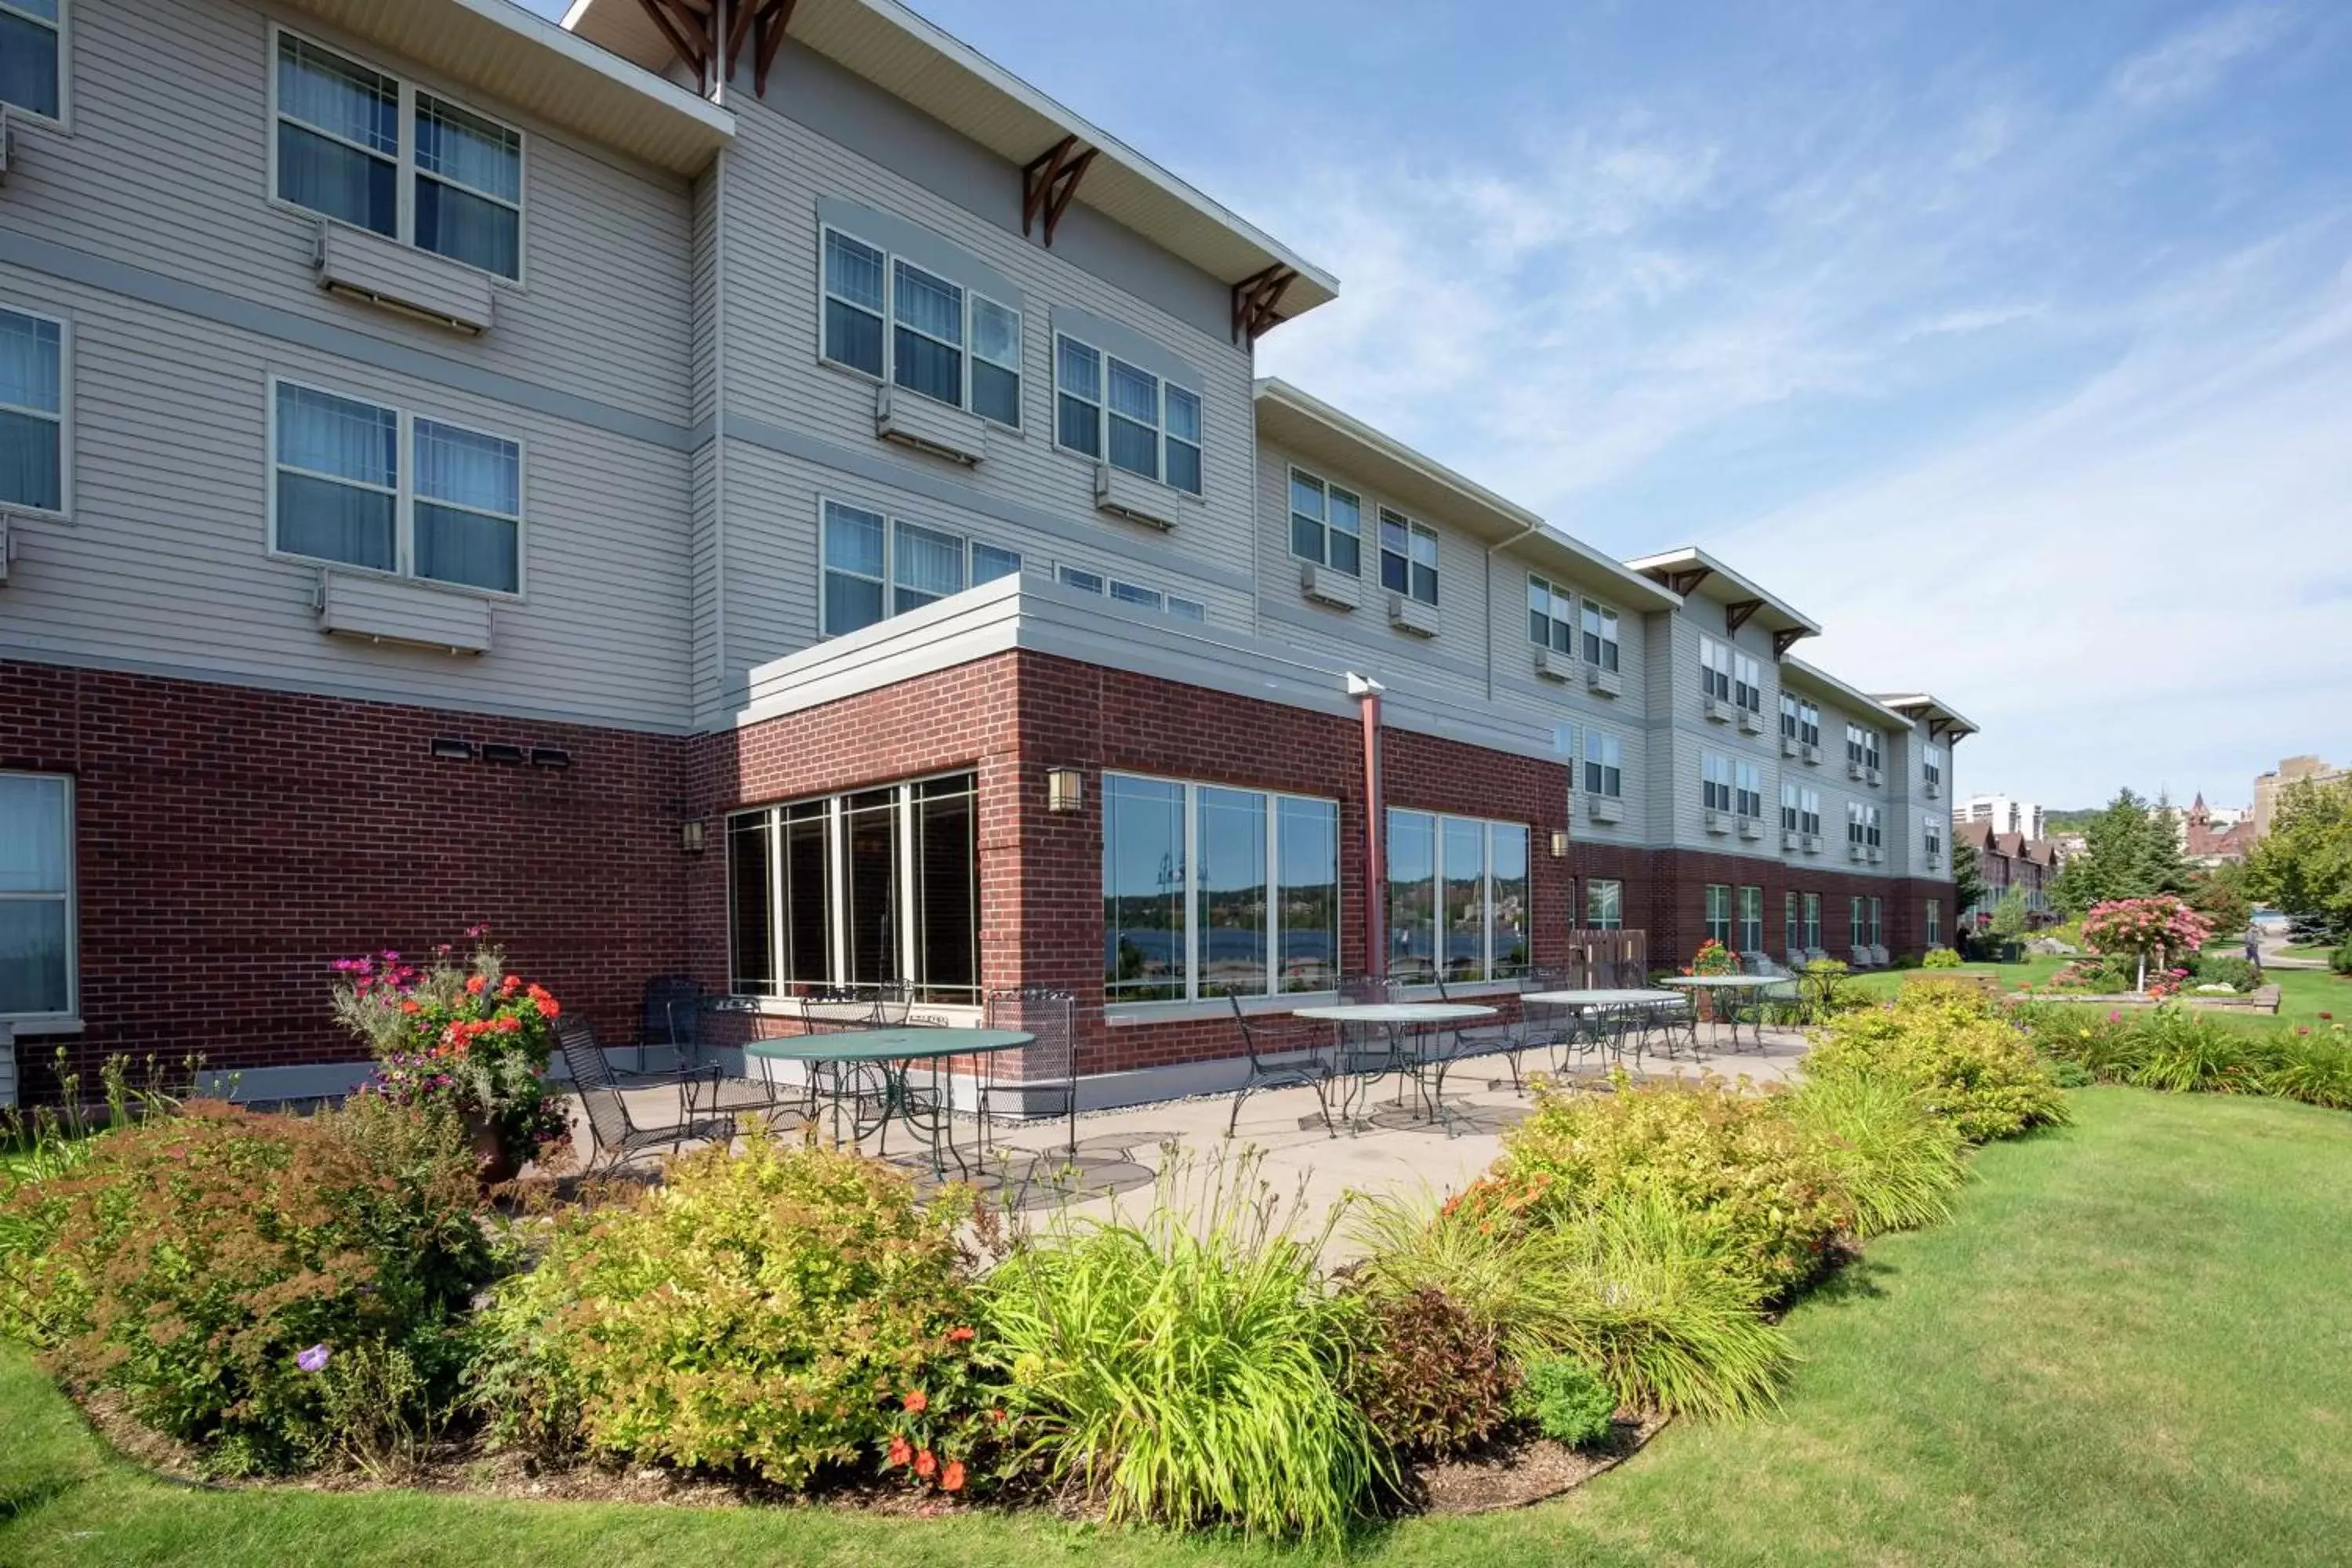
<point>1390,1149</point>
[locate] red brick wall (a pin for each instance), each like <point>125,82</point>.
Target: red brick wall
<point>231,843</point>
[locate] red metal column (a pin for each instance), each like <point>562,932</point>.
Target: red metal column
<point>1368,700</point>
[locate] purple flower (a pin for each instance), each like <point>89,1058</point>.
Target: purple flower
<point>2114,1015</point>
<point>313,1360</point>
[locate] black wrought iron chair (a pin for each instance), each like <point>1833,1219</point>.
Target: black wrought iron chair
<point>619,1135</point>
<point>1284,1053</point>
<point>1047,1067</point>
<point>668,1016</point>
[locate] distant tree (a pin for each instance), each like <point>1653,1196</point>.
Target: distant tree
<point>2219,895</point>
<point>2008,916</point>
<point>2163,869</point>
<point>1968,877</point>
<point>2131,850</point>
<point>2303,865</point>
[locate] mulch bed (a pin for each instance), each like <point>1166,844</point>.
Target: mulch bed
<point>1528,1473</point>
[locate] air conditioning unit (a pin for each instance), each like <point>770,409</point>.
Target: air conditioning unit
<point>1554,665</point>
<point>1410,616</point>
<point>1876,854</point>
<point>1871,777</point>
<point>1323,585</point>
<point>1812,756</point>
<point>1718,710</point>
<point>358,264</point>
<point>1853,851</point>
<point>1750,723</point>
<point>1792,842</point>
<point>1854,770</point>
<point>1789,746</point>
<point>1604,808</point>
<point>1718,822</point>
<point>1603,682</point>
<point>1751,828</point>
<point>908,419</point>
<point>1134,498</point>
<point>1932,790</point>
<point>1812,845</point>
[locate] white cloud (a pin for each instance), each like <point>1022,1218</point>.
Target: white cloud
<point>2193,62</point>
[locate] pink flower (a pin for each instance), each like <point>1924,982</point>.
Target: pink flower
<point>313,1360</point>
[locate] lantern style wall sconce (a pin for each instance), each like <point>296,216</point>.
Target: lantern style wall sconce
<point>690,837</point>
<point>1559,843</point>
<point>1066,789</point>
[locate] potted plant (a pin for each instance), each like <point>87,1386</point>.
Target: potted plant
<point>1712,958</point>
<point>469,1035</point>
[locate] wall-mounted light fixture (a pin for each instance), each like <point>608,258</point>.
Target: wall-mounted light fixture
<point>502,752</point>
<point>1066,789</point>
<point>550,757</point>
<point>1559,843</point>
<point>690,837</point>
<point>453,748</point>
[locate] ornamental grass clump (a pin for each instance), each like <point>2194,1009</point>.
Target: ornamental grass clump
<point>1949,1044</point>
<point>1897,1164</point>
<point>1728,1157</point>
<point>778,1312</point>
<point>222,1269</point>
<point>1190,1368</point>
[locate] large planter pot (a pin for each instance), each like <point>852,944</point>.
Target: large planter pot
<point>493,1161</point>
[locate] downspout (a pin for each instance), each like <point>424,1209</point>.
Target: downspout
<point>1502,544</point>
<point>719,396</point>
<point>1366,693</point>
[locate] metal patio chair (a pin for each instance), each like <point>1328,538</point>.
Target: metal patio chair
<point>619,1135</point>
<point>1283,1054</point>
<point>667,1016</point>
<point>1048,1064</point>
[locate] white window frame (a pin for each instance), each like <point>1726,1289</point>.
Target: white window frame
<point>72,897</point>
<point>1931,763</point>
<point>1792,723</point>
<point>1323,525</point>
<point>890,521</point>
<point>1617,887</point>
<point>1272,799</point>
<point>404,159</point>
<point>1715,919</point>
<point>1747,789</point>
<point>1747,682</point>
<point>63,417</point>
<point>1415,533</point>
<point>1101,403</point>
<point>1935,923</point>
<point>1715,781</point>
<point>1601,649</point>
<point>1139,596</point>
<point>1792,807</point>
<point>404,493</point>
<point>1854,822</point>
<point>1487,826</point>
<point>1749,895</point>
<point>1714,669</point>
<point>1560,615</point>
<point>1809,724</point>
<point>1873,827</point>
<point>968,351</point>
<point>63,27</point>
<point>1810,812</point>
<point>1605,765</point>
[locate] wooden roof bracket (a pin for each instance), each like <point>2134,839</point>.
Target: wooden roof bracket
<point>771,20</point>
<point>1735,616</point>
<point>693,28</point>
<point>1782,641</point>
<point>686,25</point>
<point>1685,584</point>
<point>1048,181</point>
<point>1257,301</point>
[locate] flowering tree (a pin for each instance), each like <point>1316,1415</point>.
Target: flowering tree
<point>2145,929</point>
<point>468,1035</point>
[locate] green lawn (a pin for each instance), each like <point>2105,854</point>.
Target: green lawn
<point>2125,1350</point>
<point>2303,994</point>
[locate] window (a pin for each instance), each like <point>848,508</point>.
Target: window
<point>1854,822</point>
<point>1870,749</point>
<point>33,375</point>
<point>1853,742</point>
<point>1715,781</point>
<point>1935,923</point>
<point>1189,908</point>
<point>1791,808</point>
<point>1600,635</point>
<point>1877,930</point>
<point>1812,920</point>
<point>1457,896</point>
<point>1714,669</point>
<point>1551,616</point>
<point>1108,409</point>
<point>1752,920</point>
<point>1788,716</point>
<point>1746,683</point>
<point>1809,812</point>
<point>1931,763</point>
<point>1809,724</point>
<point>890,319</point>
<point>1862,745</point>
<point>1857,915</point>
<point>37,898</point>
<point>1750,792</point>
<point>339,493</point>
<point>1326,524</point>
<point>1718,913</point>
<point>1604,771</point>
<point>1174,605</point>
<point>1604,904</point>
<point>1792,923</point>
<point>867,888</point>
<point>1935,838</point>
<point>1408,557</point>
<point>32,47</point>
<point>1870,827</point>
<point>340,153</point>
<point>876,567</point>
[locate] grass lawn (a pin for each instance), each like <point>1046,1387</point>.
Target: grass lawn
<point>2303,994</point>
<point>2125,1350</point>
<point>2037,971</point>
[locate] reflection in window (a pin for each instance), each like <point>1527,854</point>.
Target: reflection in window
<point>1231,911</point>
<point>1144,889</point>
<point>1457,887</point>
<point>1307,840</point>
<point>1604,904</point>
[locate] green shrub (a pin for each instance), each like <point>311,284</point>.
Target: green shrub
<point>2340,959</point>
<point>1897,1164</point>
<point>2223,969</point>
<point>1949,1044</point>
<point>1432,1377</point>
<point>1732,1159</point>
<point>1190,1368</point>
<point>2316,1069</point>
<point>777,1312</point>
<point>1940,958</point>
<point>2180,1052</point>
<point>1567,1401</point>
<point>215,1268</point>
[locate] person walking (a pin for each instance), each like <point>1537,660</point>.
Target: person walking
<point>2254,947</point>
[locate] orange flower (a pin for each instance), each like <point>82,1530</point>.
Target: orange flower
<point>997,1414</point>
<point>916,1402</point>
<point>926,1464</point>
<point>411,1007</point>
<point>952,1481</point>
<point>900,1452</point>
<point>474,984</point>
<point>958,1336</point>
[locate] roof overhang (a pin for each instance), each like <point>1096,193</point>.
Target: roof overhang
<point>1314,430</point>
<point>1691,572</point>
<point>534,65</point>
<point>1850,697</point>
<point>1943,720</point>
<point>928,68</point>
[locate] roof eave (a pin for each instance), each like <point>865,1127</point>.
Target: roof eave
<point>1690,557</point>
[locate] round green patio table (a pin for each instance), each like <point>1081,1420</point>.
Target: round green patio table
<point>886,1055</point>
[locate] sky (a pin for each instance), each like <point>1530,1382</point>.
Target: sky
<point>2012,342</point>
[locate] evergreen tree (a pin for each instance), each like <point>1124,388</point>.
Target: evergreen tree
<point>1968,877</point>
<point>2162,867</point>
<point>2132,851</point>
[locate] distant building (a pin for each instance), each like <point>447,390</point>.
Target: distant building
<point>2210,837</point>
<point>2004,813</point>
<point>2269,786</point>
<point>2006,860</point>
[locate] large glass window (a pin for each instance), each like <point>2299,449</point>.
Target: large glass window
<point>1718,913</point>
<point>1604,765</point>
<point>1813,920</point>
<point>1189,908</point>
<point>340,153</point>
<point>1792,922</point>
<point>32,39</point>
<point>1791,812</point>
<point>36,896</point>
<point>1935,923</point>
<point>1408,557</point>
<point>1126,415</point>
<point>1457,897</point>
<point>469,507</point>
<point>1600,635</point>
<point>1810,812</point>
<point>1327,523</point>
<point>868,889</point>
<point>888,317</point>
<point>875,567</point>
<point>1752,920</point>
<point>32,411</point>
<point>1604,903</point>
<point>1551,616</point>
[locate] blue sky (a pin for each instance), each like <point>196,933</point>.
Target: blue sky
<point>2012,342</point>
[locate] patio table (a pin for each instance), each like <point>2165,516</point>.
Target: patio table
<point>1729,982</point>
<point>891,1052</point>
<point>1396,1018</point>
<point>1602,999</point>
